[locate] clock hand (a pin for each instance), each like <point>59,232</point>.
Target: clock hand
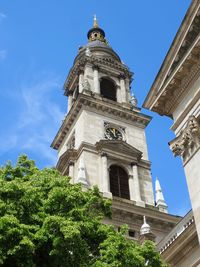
<point>113,131</point>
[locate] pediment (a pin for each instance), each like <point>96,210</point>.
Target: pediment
<point>118,146</point>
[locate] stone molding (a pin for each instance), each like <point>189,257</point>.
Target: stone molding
<point>124,208</point>
<point>182,55</point>
<point>177,231</point>
<point>123,152</point>
<point>98,62</point>
<point>108,107</point>
<point>110,147</point>
<point>177,87</point>
<point>188,141</point>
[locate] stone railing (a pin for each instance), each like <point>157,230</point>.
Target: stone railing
<point>176,232</point>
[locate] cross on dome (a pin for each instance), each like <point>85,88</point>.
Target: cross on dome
<point>96,33</point>
<point>95,24</point>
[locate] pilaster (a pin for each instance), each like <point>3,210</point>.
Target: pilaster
<point>105,176</point>
<point>96,80</point>
<point>71,170</point>
<point>69,101</point>
<point>81,77</point>
<point>123,88</point>
<point>137,185</point>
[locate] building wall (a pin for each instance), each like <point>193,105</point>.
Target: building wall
<point>192,171</point>
<point>89,127</point>
<point>191,259</point>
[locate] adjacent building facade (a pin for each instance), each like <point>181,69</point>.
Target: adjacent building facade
<point>176,93</point>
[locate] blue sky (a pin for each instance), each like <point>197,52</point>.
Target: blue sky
<point>39,40</point>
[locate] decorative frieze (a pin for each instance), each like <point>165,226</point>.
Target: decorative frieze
<point>188,141</point>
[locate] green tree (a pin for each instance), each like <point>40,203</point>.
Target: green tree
<point>46,221</point>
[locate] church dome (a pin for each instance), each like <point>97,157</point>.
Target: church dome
<point>96,33</point>
<point>97,44</point>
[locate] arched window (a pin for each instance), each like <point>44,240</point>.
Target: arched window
<point>119,182</point>
<point>107,89</point>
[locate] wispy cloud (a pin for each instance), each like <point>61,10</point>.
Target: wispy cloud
<point>38,120</point>
<point>3,54</point>
<point>2,16</point>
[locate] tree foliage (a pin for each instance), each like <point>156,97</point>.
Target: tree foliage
<point>46,221</point>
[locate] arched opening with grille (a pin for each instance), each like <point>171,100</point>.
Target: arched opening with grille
<point>119,186</point>
<point>108,89</point>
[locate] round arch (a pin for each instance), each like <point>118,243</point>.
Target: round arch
<point>119,185</point>
<point>108,88</point>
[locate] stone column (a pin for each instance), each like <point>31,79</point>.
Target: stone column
<point>87,71</point>
<point>187,145</point>
<point>71,171</point>
<point>123,89</point>
<point>127,83</point>
<point>105,176</point>
<point>81,76</point>
<point>69,101</point>
<point>96,80</point>
<point>119,98</point>
<point>131,187</point>
<point>136,185</point>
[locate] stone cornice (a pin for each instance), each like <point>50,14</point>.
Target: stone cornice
<point>128,154</point>
<point>99,62</point>
<point>186,111</point>
<point>179,241</point>
<point>108,107</point>
<point>152,212</point>
<point>111,147</point>
<point>188,142</point>
<point>182,55</point>
<point>175,89</point>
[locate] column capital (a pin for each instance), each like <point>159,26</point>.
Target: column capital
<point>69,92</point>
<point>95,67</point>
<point>103,154</point>
<point>134,164</point>
<point>80,71</point>
<point>188,141</point>
<point>122,77</point>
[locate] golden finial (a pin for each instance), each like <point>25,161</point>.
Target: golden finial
<point>95,25</point>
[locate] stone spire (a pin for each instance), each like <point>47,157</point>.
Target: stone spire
<point>95,24</point>
<point>145,232</point>
<point>81,178</point>
<point>145,229</point>
<point>160,201</point>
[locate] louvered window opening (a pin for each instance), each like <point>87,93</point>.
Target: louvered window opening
<point>108,89</point>
<point>119,186</point>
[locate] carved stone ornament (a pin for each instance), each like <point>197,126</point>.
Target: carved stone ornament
<point>88,52</point>
<point>188,140</point>
<point>86,85</point>
<point>133,101</point>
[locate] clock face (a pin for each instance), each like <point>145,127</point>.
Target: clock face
<point>113,134</point>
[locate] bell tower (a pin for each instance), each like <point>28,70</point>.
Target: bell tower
<point>102,138</point>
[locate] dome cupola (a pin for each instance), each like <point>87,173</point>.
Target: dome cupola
<point>96,33</point>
